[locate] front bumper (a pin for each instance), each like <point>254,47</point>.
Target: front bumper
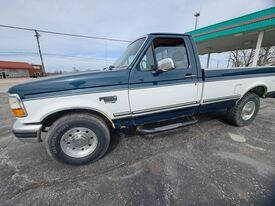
<point>27,132</point>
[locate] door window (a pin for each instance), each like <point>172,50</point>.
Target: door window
<point>173,48</point>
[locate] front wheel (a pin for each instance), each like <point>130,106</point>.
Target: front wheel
<point>78,139</point>
<point>245,111</point>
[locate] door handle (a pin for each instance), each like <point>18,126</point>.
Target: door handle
<point>190,75</point>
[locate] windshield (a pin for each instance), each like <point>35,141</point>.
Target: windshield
<point>129,55</point>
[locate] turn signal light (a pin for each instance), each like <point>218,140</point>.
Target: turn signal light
<point>17,107</point>
<point>18,112</point>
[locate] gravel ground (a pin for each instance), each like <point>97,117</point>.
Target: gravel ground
<point>209,163</point>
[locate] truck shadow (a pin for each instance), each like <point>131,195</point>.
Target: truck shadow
<point>132,132</point>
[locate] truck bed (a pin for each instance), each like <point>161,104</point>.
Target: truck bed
<point>229,85</point>
<point>238,73</point>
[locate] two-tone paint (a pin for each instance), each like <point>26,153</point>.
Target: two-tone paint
<point>130,97</point>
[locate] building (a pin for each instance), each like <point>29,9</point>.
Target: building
<point>10,69</point>
<point>38,70</point>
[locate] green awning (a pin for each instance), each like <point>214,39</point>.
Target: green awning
<point>238,33</point>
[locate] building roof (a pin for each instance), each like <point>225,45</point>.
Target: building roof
<point>15,65</point>
<point>239,33</point>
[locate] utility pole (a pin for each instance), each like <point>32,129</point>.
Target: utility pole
<point>37,35</point>
<point>196,15</point>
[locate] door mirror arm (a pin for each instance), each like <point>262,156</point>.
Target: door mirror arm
<point>156,71</point>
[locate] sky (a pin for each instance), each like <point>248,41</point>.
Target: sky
<point>112,19</point>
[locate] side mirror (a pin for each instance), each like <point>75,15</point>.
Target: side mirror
<point>166,64</point>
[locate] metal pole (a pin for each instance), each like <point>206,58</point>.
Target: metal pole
<point>37,35</point>
<point>228,62</point>
<point>208,60</point>
<point>258,48</point>
<point>237,59</point>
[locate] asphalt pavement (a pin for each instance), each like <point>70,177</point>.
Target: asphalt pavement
<point>209,163</point>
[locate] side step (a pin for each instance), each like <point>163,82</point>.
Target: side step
<point>151,129</point>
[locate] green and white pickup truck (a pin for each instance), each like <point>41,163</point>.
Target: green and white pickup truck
<point>157,78</point>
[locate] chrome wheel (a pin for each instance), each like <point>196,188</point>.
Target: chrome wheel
<point>248,110</point>
<point>79,142</point>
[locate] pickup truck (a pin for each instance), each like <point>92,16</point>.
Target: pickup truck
<point>158,78</point>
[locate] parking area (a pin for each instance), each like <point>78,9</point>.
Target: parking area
<point>209,163</point>
<point>5,84</point>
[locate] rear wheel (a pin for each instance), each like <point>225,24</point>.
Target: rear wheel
<point>78,139</point>
<point>245,111</point>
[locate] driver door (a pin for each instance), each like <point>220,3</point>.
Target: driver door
<point>156,96</point>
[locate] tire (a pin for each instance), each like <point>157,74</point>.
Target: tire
<point>78,139</point>
<point>235,115</point>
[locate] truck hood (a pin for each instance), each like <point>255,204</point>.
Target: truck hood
<point>72,83</point>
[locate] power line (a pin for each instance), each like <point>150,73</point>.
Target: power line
<point>55,55</point>
<point>64,34</point>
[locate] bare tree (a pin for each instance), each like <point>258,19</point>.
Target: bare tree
<point>267,56</point>
<point>244,58</point>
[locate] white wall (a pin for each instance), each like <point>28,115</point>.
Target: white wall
<point>14,73</point>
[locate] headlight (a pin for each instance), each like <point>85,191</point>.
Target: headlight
<point>17,107</point>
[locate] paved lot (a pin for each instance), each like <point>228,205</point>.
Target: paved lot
<point>210,163</point>
<point>5,84</point>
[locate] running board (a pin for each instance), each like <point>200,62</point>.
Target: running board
<point>152,130</point>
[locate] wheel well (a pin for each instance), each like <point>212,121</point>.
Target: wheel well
<point>49,120</point>
<point>259,90</point>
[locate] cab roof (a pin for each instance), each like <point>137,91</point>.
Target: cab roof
<point>169,34</point>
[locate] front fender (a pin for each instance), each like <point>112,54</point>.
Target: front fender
<point>39,109</point>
